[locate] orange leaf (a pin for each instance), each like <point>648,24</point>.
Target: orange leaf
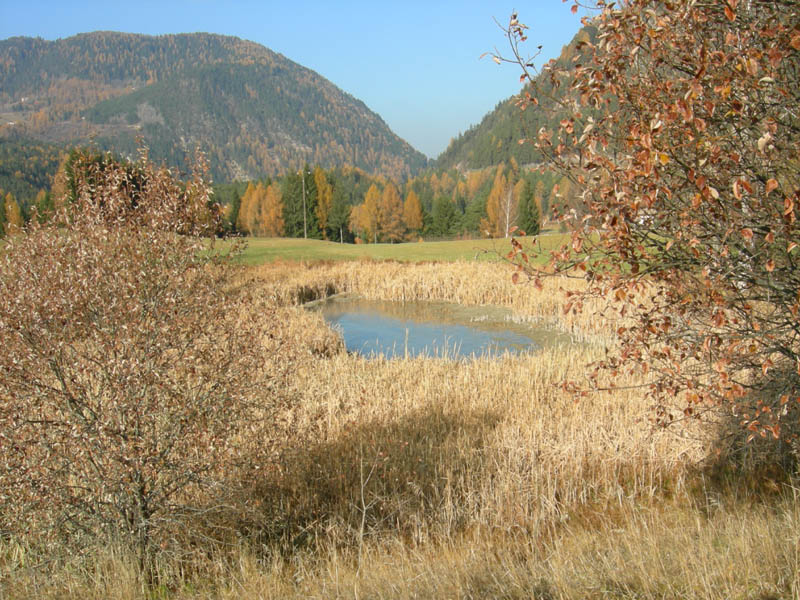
<point>770,266</point>
<point>730,14</point>
<point>772,184</point>
<point>737,193</point>
<point>747,233</point>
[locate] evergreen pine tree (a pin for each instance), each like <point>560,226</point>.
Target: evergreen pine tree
<point>529,219</point>
<point>339,217</point>
<point>300,190</point>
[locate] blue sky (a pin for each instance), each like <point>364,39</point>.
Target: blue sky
<point>415,63</point>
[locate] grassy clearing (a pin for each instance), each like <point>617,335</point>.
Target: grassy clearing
<point>423,478</point>
<point>261,250</point>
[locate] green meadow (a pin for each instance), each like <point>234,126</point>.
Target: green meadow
<point>264,250</point>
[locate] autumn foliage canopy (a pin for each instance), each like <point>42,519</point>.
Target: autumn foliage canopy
<point>681,130</point>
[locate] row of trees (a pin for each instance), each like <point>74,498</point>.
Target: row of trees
<point>342,205</point>
<point>383,216</point>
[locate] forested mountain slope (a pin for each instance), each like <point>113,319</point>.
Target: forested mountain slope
<point>496,138</point>
<point>252,110</point>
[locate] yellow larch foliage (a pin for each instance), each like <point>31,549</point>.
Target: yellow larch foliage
<point>412,213</point>
<point>390,214</point>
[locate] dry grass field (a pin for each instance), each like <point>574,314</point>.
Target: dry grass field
<point>430,478</point>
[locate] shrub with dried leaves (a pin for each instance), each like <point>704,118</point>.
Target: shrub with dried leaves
<point>127,365</point>
<point>681,130</point>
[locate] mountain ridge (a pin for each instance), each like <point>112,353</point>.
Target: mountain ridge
<point>115,87</point>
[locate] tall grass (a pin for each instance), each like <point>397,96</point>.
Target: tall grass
<point>429,478</point>
<point>467,283</point>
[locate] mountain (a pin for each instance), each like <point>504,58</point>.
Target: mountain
<point>495,139</point>
<point>253,111</point>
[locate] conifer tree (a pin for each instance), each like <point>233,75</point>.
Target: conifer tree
<point>412,213</point>
<point>365,216</point>
<point>235,206</point>
<point>324,200</point>
<point>445,219</point>
<point>272,224</point>
<point>300,205</point>
<point>497,208</point>
<point>339,216</point>
<point>390,214</point>
<point>14,220</point>
<point>529,216</point>
<point>247,211</point>
<point>539,198</point>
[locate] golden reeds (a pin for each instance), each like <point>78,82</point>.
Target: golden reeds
<point>429,478</point>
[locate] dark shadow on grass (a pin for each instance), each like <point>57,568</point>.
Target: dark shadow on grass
<point>755,463</point>
<point>407,476</point>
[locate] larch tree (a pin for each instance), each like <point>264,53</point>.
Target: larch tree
<point>324,199</point>
<point>501,206</point>
<point>365,217</point>
<point>390,214</point>
<point>412,214</point>
<point>14,221</point>
<point>272,224</point>
<point>247,210</point>
<point>492,225</point>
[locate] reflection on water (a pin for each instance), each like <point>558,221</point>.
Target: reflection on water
<point>439,329</point>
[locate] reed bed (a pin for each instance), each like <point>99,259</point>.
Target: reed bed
<point>431,478</point>
<point>466,283</point>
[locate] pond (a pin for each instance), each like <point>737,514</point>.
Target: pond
<point>436,329</point>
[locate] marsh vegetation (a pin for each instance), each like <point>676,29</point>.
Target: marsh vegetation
<point>421,477</point>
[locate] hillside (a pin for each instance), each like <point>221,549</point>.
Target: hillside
<point>495,139</point>
<point>252,110</point>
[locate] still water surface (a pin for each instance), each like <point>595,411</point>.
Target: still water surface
<point>437,329</point>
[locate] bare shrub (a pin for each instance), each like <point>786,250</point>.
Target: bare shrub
<point>127,365</point>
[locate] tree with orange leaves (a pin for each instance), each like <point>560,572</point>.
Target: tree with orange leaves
<point>684,154</point>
